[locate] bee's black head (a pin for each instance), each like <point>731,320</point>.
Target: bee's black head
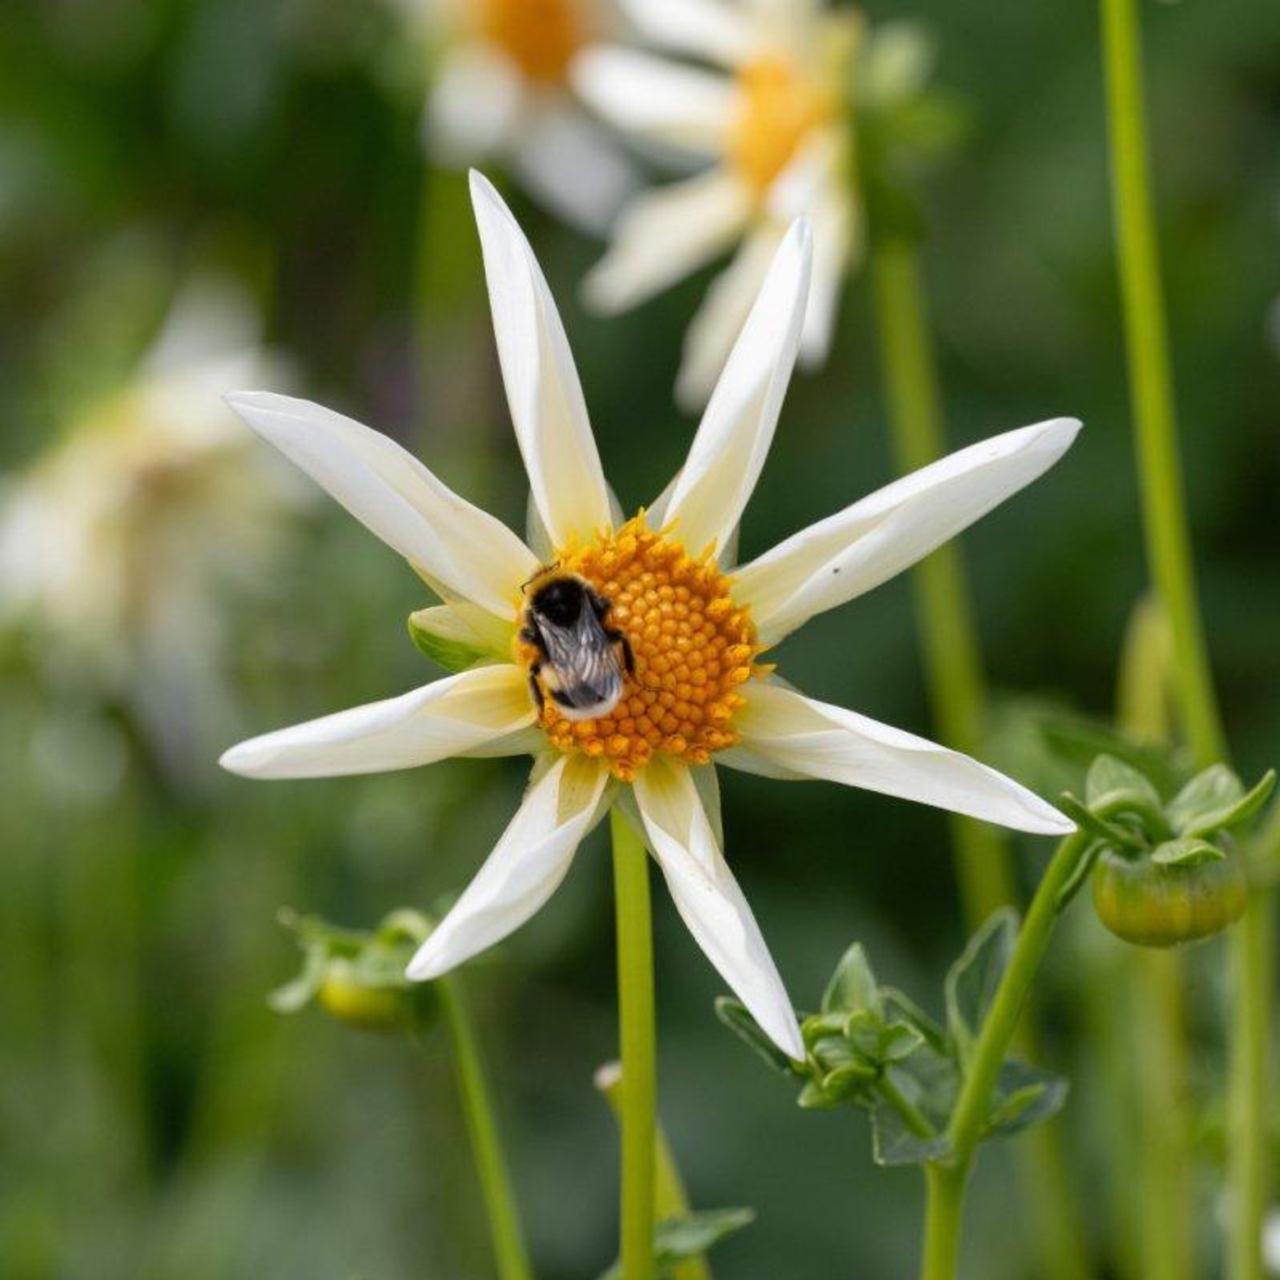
<point>560,601</point>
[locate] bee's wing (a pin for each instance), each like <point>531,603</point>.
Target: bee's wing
<point>583,659</point>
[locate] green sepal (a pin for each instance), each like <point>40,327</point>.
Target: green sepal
<point>1206,805</point>
<point>1113,787</point>
<point>734,1015</point>
<point>677,1240</point>
<point>1110,833</point>
<point>1186,851</point>
<point>974,978</point>
<point>446,639</point>
<point>853,985</point>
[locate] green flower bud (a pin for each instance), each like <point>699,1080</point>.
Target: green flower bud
<point>358,978</point>
<point>1156,902</point>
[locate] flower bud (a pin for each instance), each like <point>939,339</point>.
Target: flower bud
<point>1159,905</point>
<point>359,978</point>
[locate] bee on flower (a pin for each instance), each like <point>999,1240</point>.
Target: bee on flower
<point>500,92</point>
<point>627,655</point>
<point>119,545</point>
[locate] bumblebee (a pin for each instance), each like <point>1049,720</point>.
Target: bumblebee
<point>581,658</point>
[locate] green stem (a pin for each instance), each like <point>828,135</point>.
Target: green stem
<point>477,1105</point>
<point>1159,1039</point>
<point>670,1199</point>
<point>1169,550</point>
<point>638,1053</point>
<point>1249,1086</point>
<point>944,1202</point>
<point>945,1180</point>
<point>1151,380</point>
<point>953,668</point>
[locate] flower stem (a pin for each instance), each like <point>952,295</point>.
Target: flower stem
<point>637,1036</point>
<point>945,1179</point>
<point>1249,1088</point>
<point>953,668</point>
<point>1151,380</point>
<point>477,1105</point>
<point>1169,551</point>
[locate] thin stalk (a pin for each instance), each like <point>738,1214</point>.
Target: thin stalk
<point>1169,551</point>
<point>957,689</point>
<point>670,1199</point>
<point>638,1051</point>
<point>945,1179</point>
<point>1252,950</point>
<point>953,667</point>
<point>477,1106</point>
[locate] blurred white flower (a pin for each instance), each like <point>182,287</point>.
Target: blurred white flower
<point>774,122</point>
<point>695,690</point>
<point>500,92</point>
<point>117,544</point>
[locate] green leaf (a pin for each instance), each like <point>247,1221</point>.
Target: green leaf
<point>973,979</point>
<point>1201,817</point>
<point>1024,1095</point>
<point>894,1143</point>
<point>1115,787</point>
<point>1185,852</point>
<point>930,1028</point>
<point>930,1082</point>
<point>734,1015</point>
<point>676,1240</point>
<point>853,985</point>
<point>446,639</point>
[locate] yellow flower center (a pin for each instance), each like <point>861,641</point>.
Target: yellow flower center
<point>693,648</point>
<point>780,108</point>
<point>540,36</point>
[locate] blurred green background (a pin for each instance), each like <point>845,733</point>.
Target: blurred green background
<point>156,1120</point>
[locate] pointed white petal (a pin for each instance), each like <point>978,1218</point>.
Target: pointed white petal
<point>657,100</point>
<point>785,734</point>
<point>666,234</point>
<point>547,408</point>
<point>708,898</point>
<point>860,547</point>
<point>721,315</point>
<point>388,490</point>
<point>474,106</point>
<point>737,428</point>
<point>708,29</point>
<point>479,712</point>
<point>837,245</point>
<point>525,868</point>
<point>572,166</point>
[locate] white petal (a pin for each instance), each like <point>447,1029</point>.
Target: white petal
<point>572,166</point>
<point>837,236</point>
<point>387,489</point>
<point>785,734</point>
<point>525,868</point>
<point>665,235</point>
<point>658,100</point>
<point>720,317</point>
<point>708,897</point>
<point>708,29</point>
<point>478,713</point>
<point>547,408</point>
<point>865,544</point>
<point>474,106</point>
<point>737,428</point>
